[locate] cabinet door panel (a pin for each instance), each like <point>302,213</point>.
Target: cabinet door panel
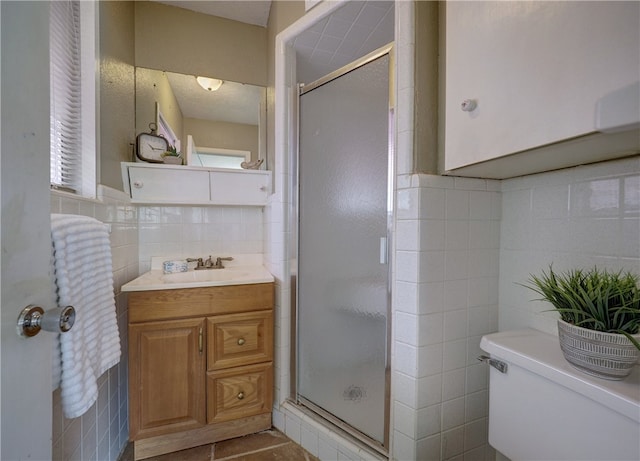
<point>239,339</point>
<point>536,71</point>
<point>167,375</point>
<point>169,185</point>
<point>239,188</point>
<point>239,392</point>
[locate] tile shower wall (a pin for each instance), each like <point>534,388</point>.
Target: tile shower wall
<point>193,231</point>
<point>578,217</point>
<point>103,431</point>
<point>445,299</point>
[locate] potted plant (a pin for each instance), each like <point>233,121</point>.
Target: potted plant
<point>171,155</point>
<point>599,318</point>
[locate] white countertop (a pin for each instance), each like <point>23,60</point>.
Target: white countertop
<point>240,271</point>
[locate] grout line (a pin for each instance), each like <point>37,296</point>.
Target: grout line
<point>260,450</point>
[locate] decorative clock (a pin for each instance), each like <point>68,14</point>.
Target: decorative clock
<point>150,147</point>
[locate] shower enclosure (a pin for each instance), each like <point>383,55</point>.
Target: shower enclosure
<point>344,211</point>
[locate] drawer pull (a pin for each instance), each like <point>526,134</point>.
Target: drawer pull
<point>241,396</point>
<point>241,341</point>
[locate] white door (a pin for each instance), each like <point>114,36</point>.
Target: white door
<point>25,380</point>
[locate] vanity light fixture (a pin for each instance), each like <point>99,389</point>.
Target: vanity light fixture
<point>209,84</point>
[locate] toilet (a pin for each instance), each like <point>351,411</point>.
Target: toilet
<point>541,408</point>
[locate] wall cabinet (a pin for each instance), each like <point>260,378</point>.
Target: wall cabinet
<point>200,366</point>
<point>538,73</point>
<point>187,185</point>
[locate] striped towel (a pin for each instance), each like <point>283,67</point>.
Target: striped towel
<point>83,279</point>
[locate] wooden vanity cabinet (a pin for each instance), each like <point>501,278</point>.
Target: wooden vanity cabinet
<point>200,366</point>
<point>168,370</point>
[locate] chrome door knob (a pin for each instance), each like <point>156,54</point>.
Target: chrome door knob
<point>32,319</point>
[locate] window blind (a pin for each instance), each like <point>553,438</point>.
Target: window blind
<point>66,95</point>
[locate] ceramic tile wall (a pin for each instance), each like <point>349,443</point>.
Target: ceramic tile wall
<point>103,431</point>
<point>445,299</point>
<point>198,231</point>
<point>577,217</point>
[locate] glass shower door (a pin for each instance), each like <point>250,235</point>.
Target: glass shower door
<point>343,291</point>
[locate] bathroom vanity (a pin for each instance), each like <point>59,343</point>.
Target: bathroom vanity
<point>200,358</point>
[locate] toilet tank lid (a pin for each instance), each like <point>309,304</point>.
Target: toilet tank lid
<point>540,353</point>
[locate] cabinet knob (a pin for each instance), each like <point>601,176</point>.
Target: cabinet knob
<point>468,105</point>
<point>138,184</point>
<point>240,341</point>
<point>241,396</point>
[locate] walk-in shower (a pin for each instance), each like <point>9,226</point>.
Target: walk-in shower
<point>344,213</point>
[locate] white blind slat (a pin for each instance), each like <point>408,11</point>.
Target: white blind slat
<point>66,96</point>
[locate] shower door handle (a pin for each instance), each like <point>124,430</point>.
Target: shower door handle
<point>383,250</point>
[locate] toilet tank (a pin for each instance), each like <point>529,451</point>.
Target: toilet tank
<point>543,409</point>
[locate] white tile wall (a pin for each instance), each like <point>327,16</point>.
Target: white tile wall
<point>191,231</point>
<point>578,217</point>
<point>103,431</point>
<point>445,299</point>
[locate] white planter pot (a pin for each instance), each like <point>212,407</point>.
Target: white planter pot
<point>605,355</point>
<point>172,160</point>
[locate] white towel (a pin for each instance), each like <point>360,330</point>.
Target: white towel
<point>83,279</point>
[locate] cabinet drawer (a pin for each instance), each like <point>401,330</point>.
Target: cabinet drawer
<point>239,339</point>
<point>239,392</point>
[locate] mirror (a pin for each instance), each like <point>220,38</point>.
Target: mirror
<point>221,128</point>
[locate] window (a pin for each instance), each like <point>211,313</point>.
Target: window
<point>165,130</point>
<point>220,158</point>
<point>72,56</point>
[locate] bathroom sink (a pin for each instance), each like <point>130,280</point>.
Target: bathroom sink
<point>243,270</point>
<point>207,275</point>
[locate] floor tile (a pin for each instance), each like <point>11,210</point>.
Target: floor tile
<point>271,445</point>
<point>287,452</point>
<point>202,453</point>
<point>249,443</point>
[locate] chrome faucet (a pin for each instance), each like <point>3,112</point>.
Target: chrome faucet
<point>219,262</point>
<point>209,263</point>
<point>198,261</point>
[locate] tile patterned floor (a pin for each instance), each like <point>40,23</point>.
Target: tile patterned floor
<point>269,445</point>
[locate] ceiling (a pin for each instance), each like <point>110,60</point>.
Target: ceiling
<point>233,102</point>
<point>349,33</point>
<point>248,11</point>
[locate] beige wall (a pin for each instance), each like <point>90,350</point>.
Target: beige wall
<point>283,14</point>
<point>222,135</point>
<point>425,139</point>
<point>152,86</point>
<point>117,100</point>
<point>179,40</point>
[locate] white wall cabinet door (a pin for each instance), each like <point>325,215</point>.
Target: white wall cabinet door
<point>535,71</point>
<point>240,188</point>
<point>187,185</point>
<point>169,185</point>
